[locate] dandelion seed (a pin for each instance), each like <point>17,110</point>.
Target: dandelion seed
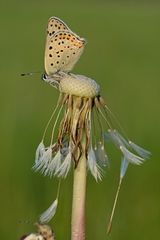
<point>46,216</point>
<point>44,161</point>
<point>64,168</point>
<point>101,155</point>
<point>132,158</point>
<point>141,151</point>
<point>55,163</point>
<point>124,166</point>
<point>117,139</point>
<point>128,157</point>
<point>93,165</point>
<point>121,138</point>
<point>39,152</point>
<point>123,169</point>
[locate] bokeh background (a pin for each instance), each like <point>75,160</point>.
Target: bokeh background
<point>123,55</point>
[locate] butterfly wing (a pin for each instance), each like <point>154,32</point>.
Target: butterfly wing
<point>55,25</point>
<point>63,50</point>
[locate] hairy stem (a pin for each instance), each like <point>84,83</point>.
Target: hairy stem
<point>78,201</point>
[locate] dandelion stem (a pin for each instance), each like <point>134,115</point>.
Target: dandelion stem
<point>78,201</point>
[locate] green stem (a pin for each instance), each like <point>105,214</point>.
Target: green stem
<point>78,201</point>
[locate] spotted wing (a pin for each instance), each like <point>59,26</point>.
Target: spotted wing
<point>55,25</point>
<point>62,52</point>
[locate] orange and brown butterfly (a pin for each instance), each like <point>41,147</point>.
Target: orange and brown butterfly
<point>63,47</point>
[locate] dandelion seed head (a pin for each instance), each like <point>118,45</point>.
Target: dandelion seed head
<point>79,85</point>
<point>80,97</point>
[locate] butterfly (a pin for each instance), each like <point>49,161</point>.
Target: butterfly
<point>63,47</point>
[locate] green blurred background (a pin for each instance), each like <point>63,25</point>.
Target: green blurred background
<point>123,55</point>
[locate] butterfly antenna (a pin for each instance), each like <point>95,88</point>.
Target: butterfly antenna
<point>29,73</point>
<point>114,206</point>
